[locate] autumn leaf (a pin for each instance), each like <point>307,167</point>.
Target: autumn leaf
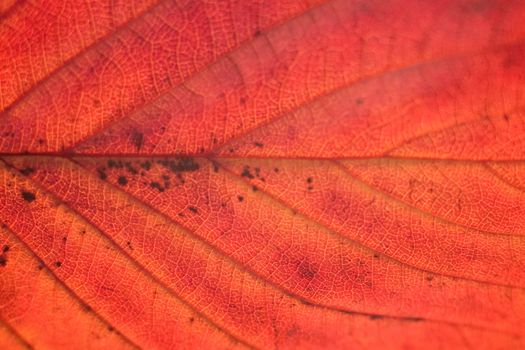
<point>270,174</point>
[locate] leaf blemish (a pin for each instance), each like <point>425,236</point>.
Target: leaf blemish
<point>27,171</point>
<point>122,180</point>
<point>246,173</point>
<point>58,263</point>
<point>102,173</point>
<point>193,209</point>
<point>138,139</point>
<point>187,164</point>
<point>28,196</point>
<point>156,185</point>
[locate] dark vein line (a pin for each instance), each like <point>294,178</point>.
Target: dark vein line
<point>360,244</point>
<point>416,209</point>
<point>292,295</point>
<point>121,28</point>
<point>134,262</point>
<point>68,290</point>
<point>361,80</point>
<point>498,176</point>
<point>11,329</point>
<point>287,157</point>
<point>214,61</point>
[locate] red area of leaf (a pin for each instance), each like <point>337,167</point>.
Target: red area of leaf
<point>262,174</point>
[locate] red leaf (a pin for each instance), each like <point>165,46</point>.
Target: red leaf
<point>262,174</point>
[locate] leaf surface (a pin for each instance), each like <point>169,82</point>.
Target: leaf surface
<point>262,174</point>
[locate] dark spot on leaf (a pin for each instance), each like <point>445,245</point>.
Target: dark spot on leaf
<point>246,173</point>
<point>27,171</point>
<point>129,245</point>
<point>307,270</point>
<point>309,180</point>
<point>131,168</point>
<point>28,196</point>
<point>506,117</point>
<point>180,165</point>
<point>376,256</point>
<point>255,188</point>
<point>5,248</point>
<point>114,164</point>
<point>257,32</point>
<point>276,170</point>
<point>240,198</point>
<point>58,264</point>
<point>102,173</point>
<point>258,144</point>
<point>146,165</point>
<point>376,317</point>
<point>193,209</point>
<point>3,260</point>
<point>40,141</point>
<point>155,184</point>
<point>40,266</point>
<point>429,278</point>
<point>138,139</point>
<point>412,319</point>
<point>122,180</point>
<point>192,319</point>
<point>111,329</point>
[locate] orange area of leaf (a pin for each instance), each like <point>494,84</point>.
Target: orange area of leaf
<point>262,174</point>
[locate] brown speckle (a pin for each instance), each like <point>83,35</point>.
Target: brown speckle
<point>246,173</point>
<point>102,173</point>
<point>5,248</point>
<point>258,144</point>
<point>58,264</point>
<point>27,171</point>
<point>240,198</point>
<point>146,165</point>
<point>138,139</point>
<point>193,209</point>
<point>180,165</point>
<point>3,260</point>
<point>155,184</point>
<point>122,180</point>
<point>28,196</point>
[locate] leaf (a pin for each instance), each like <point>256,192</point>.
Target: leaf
<point>273,174</point>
